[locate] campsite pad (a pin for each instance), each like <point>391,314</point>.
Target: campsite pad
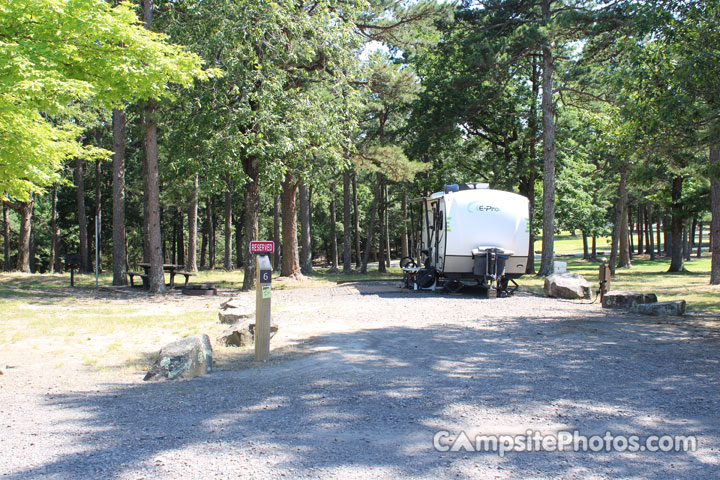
<point>361,378</point>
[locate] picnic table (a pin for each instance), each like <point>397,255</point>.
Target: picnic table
<point>172,268</point>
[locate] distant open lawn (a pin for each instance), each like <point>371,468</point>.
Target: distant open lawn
<point>566,243</point>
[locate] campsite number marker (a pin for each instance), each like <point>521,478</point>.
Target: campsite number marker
<point>263,298</point>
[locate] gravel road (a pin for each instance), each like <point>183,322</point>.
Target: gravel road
<point>367,374</point>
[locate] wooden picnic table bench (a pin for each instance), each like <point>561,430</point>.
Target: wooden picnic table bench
<point>143,276</point>
<point>186,274</point>
<point>171,268</point>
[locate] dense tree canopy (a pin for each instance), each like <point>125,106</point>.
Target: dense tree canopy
<point>604,114</point>
<point>60,55</point>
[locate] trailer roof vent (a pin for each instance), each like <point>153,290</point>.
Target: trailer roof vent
<point>474,186</point>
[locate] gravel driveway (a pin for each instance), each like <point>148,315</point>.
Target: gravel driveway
<point>369,373</point>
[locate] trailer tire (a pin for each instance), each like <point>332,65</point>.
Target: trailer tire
<point>454,286</point>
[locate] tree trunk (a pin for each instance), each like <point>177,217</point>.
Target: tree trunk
<point>657,234</point>
<point>204,241</point>
<point>276,232</point>
<point>23,257</point>
<point>700,239</point>
<point>371,227</point>
<point>404,244</point>
<point>614,246</point>
<point>306,249</point>
<point>251,168</point>
<point>381,228</point>
<point>239,253</point>
<point>527,188</point>
<point>643,220</point>
<point>594,246</point>
<point>53,230</point>
<point>210,225</point>
<point>173,242</point>
<point>624,234</point>
<point>386,212</point>
<point>676,258</point>
<point>152,199</point>
<point>227,260</point>
<point>640,231</point>
<point>310,220</point>
<point>667,236</point>
<point>527,185</point>
<point>166,257</point>
<point>631,235</point>
<point>548,242</point>
<point>619,216</point>
<point>586,252</point>
<point>715,209</point>
<point>81,217</point>
<point>347,227</point>
<point>119,252</point>
<point>6,238</point>
<point>152,186</point>
<point>192,228</point>
<point>333,229</point>
<point>98,213</point>
<point>33,265</point>
<point>180,239</point>
<point>356,221</point>
<point>631,232</point>
<point>691,244</point>
<point>290,260</point>
<point>648,229</point>
<point>651,237</point>
<point>213,238</point>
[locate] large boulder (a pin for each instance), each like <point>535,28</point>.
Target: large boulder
<point>567,285</point>
<point>236,336</point>
<point>242,334</point>
<point>618,299</point>
<point>675,308</point>
<point>186,358</point>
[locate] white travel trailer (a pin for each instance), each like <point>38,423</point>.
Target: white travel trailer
<point>471,233</point>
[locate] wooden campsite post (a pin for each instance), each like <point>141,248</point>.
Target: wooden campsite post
<point>263,297</point>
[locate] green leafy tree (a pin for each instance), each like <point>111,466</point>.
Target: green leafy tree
<point>55,54</point>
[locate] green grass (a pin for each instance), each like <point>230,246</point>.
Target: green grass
<point>566,243</point>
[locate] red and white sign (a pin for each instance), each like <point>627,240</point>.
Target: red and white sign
<point>262,247</point>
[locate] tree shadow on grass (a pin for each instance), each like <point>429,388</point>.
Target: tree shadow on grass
<point>370,401</point>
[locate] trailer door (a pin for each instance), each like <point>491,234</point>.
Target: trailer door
<point>441,224</point>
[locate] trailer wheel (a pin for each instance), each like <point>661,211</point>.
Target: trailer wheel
<point>407,262</point>
<point>454,286</point>
<point>426,278</point>
<point>502,287</point>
